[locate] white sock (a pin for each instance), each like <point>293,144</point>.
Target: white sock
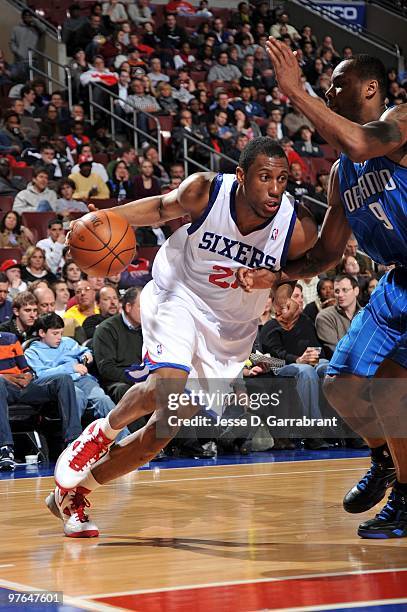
<point>89,482</point>
<point>107,430</point>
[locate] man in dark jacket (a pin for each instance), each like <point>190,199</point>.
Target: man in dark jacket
<point>172,36</point>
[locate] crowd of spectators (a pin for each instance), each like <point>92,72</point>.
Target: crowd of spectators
<point>209,78</point>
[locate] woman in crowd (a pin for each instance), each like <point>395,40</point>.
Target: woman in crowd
<point>160,173</point>
<point>120,185</point>
<point>146,185</point>
<point>71,275</point>
<point>244,126</point>
<point>36,267</point>
<point>51,125</point>
<point>13,234</point>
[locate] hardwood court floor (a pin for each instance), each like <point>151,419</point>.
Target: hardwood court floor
<point>223,527</point>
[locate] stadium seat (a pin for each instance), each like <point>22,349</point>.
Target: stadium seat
<point>25,173</point>
<point>198,75</point>
<point>101,158</point>
<point>319,164</point>
<point>6,203</point>
<point>148,252</point>
<point>38,221</point>
<point>11,253</point>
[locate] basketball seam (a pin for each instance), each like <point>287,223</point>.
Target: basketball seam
<point>105,246</point>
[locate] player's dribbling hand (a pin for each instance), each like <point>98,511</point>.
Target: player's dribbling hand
<point>287,313</point>
<point>248,279</point>
<point>92,208</point>
<point>286,66</point>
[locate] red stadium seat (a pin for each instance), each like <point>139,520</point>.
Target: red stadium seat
<point>319,164</point>
<point>101,158</point>
<point>148,252</point>
<point>198,75</point>
<point>6,203</point>
<point>38,221</point>
<point>11,253</point>
<point>25,173</point>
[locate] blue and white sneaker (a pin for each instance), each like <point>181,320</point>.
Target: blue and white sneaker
<point>391,522</point>
<point>371,489</point>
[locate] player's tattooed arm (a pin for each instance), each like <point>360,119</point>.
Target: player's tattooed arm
<point>190,197</point>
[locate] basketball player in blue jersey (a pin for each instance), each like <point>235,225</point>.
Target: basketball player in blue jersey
<point>196,321</point>
<point>367,195</point>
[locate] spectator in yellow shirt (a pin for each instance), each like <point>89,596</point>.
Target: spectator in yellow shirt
<point>86,305</point>
<point>88,184</point>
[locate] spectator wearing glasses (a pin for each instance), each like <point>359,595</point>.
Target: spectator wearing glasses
<point>86,305</point>
<point>333,322</point>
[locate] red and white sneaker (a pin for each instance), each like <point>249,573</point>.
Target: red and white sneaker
<point>69,506</point>
<point>77,459</point>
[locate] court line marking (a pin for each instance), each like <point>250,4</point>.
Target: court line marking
<point>159,481</point>
<point>76,601</point>
<point>7,565</point>
<point>349,605</point>
<point>200,467</point>
<point>253,581</point>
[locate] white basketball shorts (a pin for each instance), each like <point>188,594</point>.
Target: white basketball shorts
<point>178,334</point>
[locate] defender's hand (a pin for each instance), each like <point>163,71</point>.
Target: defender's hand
<point>286,66</point>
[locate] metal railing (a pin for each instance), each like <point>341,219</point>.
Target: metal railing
<point>314,201</point>
<point>50,29</point>
<point>50,63</point>
<point>359,31</point>
<point>398,7</point>
<point>214,156</point>
<point>114,118</point>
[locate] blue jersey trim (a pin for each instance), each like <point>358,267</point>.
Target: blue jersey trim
<point>165,364</point>
<point>283,258</point>
<point>217,183</point>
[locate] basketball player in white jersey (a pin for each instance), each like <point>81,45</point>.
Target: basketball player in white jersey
<point>196,321</point>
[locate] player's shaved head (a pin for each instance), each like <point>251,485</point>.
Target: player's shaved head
<point>369,68</point>
<point>263,145</point>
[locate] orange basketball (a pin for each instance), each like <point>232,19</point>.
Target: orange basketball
<point>102,243</point>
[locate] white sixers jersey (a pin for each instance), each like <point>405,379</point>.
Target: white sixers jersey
<point>199,261</point>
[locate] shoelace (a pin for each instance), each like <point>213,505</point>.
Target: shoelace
<point>78,505</point>
<point>92,449</point>
<point>391,511</point>
<point>372,472</point>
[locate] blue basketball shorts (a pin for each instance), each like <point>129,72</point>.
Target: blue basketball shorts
<point>378,332</point>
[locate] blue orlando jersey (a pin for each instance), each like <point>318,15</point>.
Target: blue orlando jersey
<point>374,194</point>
